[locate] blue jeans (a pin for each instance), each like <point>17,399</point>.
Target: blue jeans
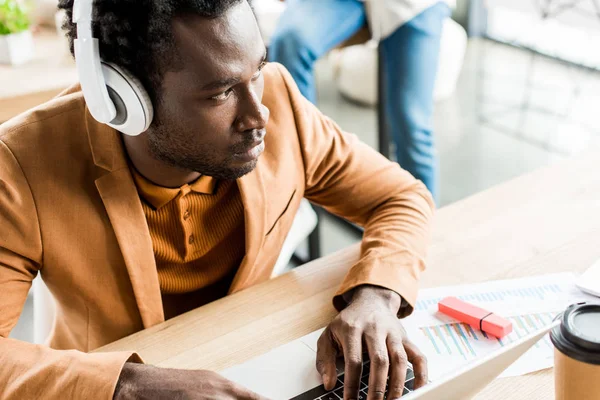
<point>310,28</point>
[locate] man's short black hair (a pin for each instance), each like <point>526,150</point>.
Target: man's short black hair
<point>137,34</point>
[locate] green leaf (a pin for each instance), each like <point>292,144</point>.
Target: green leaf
<point>14,17</point>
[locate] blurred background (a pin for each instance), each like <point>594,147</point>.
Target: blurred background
<point>517,88</point>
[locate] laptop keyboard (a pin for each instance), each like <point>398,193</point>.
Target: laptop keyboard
<point>319,393</point>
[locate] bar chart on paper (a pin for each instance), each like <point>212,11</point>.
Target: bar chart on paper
<point>461,340</point>
<point>530,304</point>
<point>535,293</point>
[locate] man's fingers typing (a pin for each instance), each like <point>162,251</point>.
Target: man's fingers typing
<point>352,346</point>
<point>398,365</point>
<point>380,363</point>
<point>419,362</point>
<point>326,357</point>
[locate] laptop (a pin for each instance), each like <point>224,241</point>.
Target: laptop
<point>288,372</point>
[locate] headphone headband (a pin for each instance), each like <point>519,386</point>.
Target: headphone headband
<point>89,68</point>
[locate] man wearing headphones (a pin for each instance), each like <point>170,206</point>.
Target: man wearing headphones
<point>169,179</point>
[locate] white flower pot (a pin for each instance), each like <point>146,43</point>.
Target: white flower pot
<point>16,48</point>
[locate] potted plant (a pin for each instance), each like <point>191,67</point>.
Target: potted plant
<point>16,41</point>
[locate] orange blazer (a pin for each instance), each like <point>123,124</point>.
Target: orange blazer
<point>69,209</point>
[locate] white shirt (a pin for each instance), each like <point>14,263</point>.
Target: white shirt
<point>385,16</point>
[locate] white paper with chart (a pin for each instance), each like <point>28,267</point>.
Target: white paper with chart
<point>529,303</point>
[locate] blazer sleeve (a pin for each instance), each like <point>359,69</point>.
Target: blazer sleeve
<point>29,371</point>
<point>350,179</point>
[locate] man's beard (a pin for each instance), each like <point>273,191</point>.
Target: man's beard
<point>177,154</point>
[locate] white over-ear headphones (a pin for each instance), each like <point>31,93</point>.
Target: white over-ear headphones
<point>113,96</point>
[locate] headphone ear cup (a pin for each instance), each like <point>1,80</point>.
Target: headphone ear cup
<point>134,107</point>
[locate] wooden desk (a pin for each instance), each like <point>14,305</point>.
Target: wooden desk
<point>548,221</point>
<point>26,86</point>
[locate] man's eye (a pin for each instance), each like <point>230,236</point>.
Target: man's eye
<point>222,96</point>
<point>259,72</point>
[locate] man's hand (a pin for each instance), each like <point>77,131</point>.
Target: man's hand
<point>370,324</point>
<point>138,381</point>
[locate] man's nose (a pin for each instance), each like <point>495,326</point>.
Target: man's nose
<point>252,115</point>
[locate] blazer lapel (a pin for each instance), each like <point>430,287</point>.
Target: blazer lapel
<point>252,192</point>
<point>122,203</point>
<point>125,212</point>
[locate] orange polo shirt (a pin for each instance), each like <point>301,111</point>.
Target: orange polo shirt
<point>197,234</point>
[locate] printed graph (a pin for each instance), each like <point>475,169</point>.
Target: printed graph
<point>538,293</point>
<point>529,303</point>
<point>461,340</point>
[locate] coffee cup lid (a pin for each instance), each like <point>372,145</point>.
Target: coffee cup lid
<point>578,335</point>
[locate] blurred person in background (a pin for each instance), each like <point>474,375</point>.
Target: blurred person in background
<point>409,31</point>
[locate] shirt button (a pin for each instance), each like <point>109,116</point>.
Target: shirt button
<point>186,214</point>
<point>191,239</point>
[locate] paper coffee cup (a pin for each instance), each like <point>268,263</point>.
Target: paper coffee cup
<point>577,353</point>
